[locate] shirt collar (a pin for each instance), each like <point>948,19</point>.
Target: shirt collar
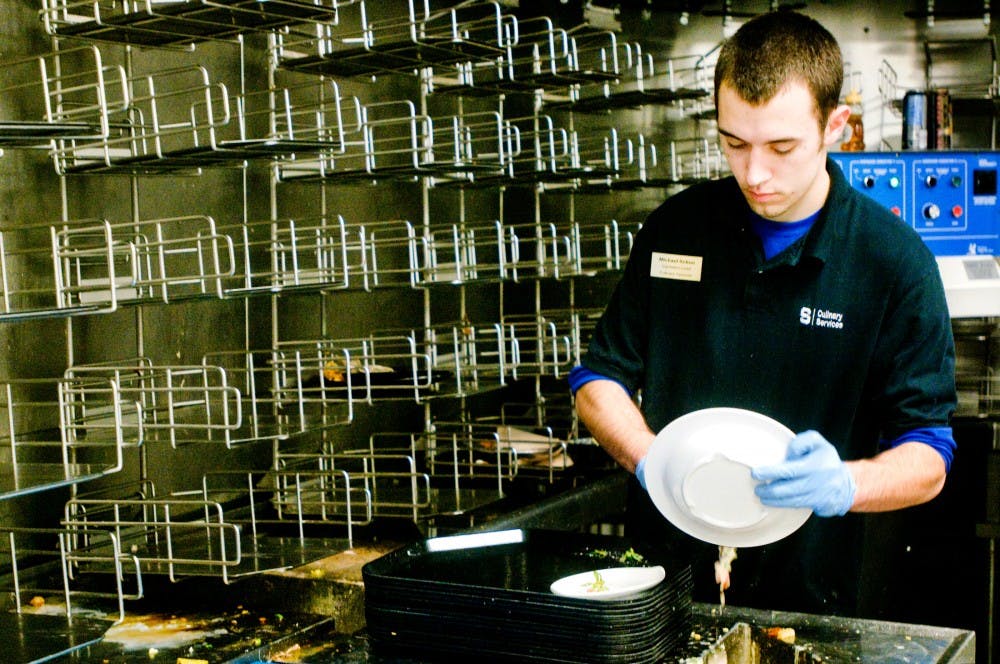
<point>819,244</point>
<point>822,240</point>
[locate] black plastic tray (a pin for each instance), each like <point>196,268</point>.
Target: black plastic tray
<point>491,597</point>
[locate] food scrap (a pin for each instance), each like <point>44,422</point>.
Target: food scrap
<point>289,655</point>
<point>785,634</point>
<point>628,558</point>
<point>37,601</point>
<point>723,566</point>
<point>333,372</point>
<point>598,584</point>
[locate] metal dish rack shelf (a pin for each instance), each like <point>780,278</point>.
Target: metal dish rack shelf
<point>77,426</point>
<point>201,532</point>
<point>180,120</point>
<point>370,39</point>
<point>50,599</point>
<point>397,143</point>
<point>61,431</point>
<point>79,97</point>
<point>173,23</point>
<point>449,469</point>
<point>96,267</point>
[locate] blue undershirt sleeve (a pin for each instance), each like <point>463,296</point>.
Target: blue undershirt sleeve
<point>581,375</point>
<point>940,438</point>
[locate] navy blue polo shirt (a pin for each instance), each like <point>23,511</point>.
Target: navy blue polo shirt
<point>845,331</point>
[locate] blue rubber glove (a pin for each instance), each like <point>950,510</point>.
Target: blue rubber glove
<point>812,475</point>
<point>640,472</point>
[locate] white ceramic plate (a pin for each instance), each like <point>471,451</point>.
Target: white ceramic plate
<point>698,475</point>
<point>618,582</point>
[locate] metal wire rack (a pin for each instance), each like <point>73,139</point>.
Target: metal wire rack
<point>449,469</point>
<point>389,480</point>
<point>468,252</point>
<point>446,360</point>
<point>204,532</point>
<point>401,474</point>
<point>298,495</point>
<point>641,80</point>
<point>175,22</point>
<point>60,432</point>
<point>684,162</point>
<point>396,142</point>
<point>239,397</point>
<point>283,393</point>
<point>62,95</point>
<point>531,45</point>
<point>398,36</point>
<point>180,121</point>
<point>323,252</point>
<point>47,573</point>
<point>173,404</point>
<point>509,450</point>
<point>91,266</point>
<point>546,340</point>
<point>330,254</point>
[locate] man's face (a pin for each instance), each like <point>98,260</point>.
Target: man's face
<point>777,151</point>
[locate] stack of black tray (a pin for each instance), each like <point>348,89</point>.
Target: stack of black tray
<point>487,595</point>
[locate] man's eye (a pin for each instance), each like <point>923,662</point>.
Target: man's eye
<point>735,146</point>
<point>783,149</point>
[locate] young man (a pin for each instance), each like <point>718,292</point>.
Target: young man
<point>782,243</point>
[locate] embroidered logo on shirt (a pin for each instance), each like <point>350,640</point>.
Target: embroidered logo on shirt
<point>821,318</point>
<point>675,266</point>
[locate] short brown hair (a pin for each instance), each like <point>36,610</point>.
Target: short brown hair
<point>772,49</point>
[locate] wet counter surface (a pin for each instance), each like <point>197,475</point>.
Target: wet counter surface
<point>826,639</point>
<point>244,637</point>
<point>219,630</point>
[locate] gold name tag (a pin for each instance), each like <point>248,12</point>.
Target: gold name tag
<point>675,266</point>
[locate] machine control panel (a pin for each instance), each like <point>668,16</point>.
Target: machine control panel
<point>950,198</point>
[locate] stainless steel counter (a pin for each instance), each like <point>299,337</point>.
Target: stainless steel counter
<point>823,638</point>
<point>259,633</point>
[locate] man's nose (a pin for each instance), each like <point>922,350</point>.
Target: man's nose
<point>758,171</point>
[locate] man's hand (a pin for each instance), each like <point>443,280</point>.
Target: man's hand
<point>812,475</point>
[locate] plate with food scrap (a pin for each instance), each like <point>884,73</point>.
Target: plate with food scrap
<point>698,475</point>
<point>608,583</point>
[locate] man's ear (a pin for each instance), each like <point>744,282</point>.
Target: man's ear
<point>835,124</point>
